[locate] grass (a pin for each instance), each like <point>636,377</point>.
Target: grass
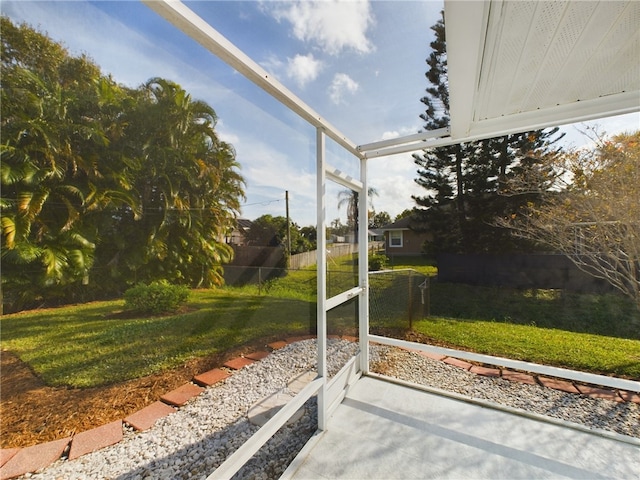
<point>606,315</point>
<point>578,351</point>
<point>86,345</point>
<point>421,263</point>
<point>90,345</point>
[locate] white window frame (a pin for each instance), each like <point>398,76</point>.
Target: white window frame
<point>401,236</point>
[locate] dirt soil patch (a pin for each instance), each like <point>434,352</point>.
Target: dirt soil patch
<point>32,412</point>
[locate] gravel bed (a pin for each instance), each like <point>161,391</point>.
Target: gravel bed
<point>591,412</point>
<point>192,442</point>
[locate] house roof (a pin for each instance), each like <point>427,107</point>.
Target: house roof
<point>402,224</point>
<point>243,224</point>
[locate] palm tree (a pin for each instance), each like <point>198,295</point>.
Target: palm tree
<point>350,198</point>
<point>46,185</point>
<point>189,188</point>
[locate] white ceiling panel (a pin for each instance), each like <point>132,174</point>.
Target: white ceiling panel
<point>519,65</point>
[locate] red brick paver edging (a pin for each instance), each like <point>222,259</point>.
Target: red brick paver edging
<point>182,395</point>
<point>211,377</point>
<point>32,459</point>
<point>630,396</point>
<point>257,356</point>
<point>277,345</point>
<point>457,363</point>
<point>604,393</point>
<point>145,419</point>
<point>95,439</point>
<point>6,454</point>
<point>519,377</point>
<point>238,363</point>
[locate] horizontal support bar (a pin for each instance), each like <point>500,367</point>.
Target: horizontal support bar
<point>591,378</point>
<point>574,112</point>
<point>241,456</point>
<point>421,136</point>
<point>339,299</point>
<point>343,179</point>
<point>195,27</point>
<point>582,111</point>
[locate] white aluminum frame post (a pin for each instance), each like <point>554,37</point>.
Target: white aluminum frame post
<point>321,282</point>
<point>363,269</point>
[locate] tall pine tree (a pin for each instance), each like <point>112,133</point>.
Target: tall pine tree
<point>468,183</point>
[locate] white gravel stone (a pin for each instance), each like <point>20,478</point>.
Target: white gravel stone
<point>192,442</point>
<point>603,414</point>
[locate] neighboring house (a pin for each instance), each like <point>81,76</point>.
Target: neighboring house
<point>337,239</point>
<point>238,235</point>
<point>401,239</point>
<point>376,235</point>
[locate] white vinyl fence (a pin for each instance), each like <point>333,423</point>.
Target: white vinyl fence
<point>304,259</point>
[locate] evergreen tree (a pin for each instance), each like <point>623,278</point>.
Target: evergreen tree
<point>468,182</point>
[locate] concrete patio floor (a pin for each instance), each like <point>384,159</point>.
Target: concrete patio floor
<point>383,430</point>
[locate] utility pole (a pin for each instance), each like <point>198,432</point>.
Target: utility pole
<point>286,197</point>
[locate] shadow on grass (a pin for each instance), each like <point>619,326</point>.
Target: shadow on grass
<point>86,349</point>
<point>608,315</point>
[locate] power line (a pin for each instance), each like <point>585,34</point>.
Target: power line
<point>265,203</point>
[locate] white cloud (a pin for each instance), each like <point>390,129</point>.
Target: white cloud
<point>273,65</point>
<point>333,25</point>
<point>227,136</point>
<point>341,84</point>
<point>401,132</point>
<point>390,134</point>
<point>303,69</point>
<point>393,178</point>
<point>267,167</point>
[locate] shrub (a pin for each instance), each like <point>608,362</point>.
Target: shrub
<point>158,297</point>
<point>377,262</point>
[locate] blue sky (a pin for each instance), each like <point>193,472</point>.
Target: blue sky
<point>359,64</point>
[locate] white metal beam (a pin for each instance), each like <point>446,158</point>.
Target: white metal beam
<point>363,270</point>
<point>490,57</point>
<point>412,147</point>
<point>321,274</point>
<point>416,137</point>
<point>248,449</point>
<point>561,115</point>
<point>590,378</point>
<point>343,179</point>
<point>610,105</point>
<point>342,297</point>
<point>195,27</point>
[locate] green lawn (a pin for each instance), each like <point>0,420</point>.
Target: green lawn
<point>92,344</point>
<point>607,315</point>
<point>578,351</point>
<point>87,345</point>
<point>420,263</point>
